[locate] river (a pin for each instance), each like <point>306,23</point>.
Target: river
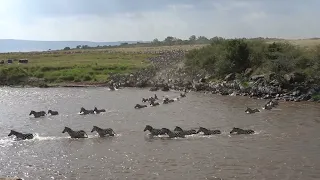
<point>285,145</point>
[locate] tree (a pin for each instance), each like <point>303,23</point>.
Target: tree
<point>78,47</point>
<point>192,38</point>
<point>237,52</point>
<point>155,41</point>
<point>169,40</point>
<point>66,48</point>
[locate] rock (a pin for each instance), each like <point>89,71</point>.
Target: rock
<point>248,72</point>
<point>294,77</point>
<point>230,77</point>
<point>296,93</point>
<point>270,76</point>
<point>256,77</point>
<point>154,89</point>
<point>165,88</point>
<point>275,82</point>
<point>202,80</point>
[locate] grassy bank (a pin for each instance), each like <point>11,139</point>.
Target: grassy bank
<point>90,66</point>
<point>239,55</point>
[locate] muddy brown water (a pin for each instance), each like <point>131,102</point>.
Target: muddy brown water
<point>285,146</point>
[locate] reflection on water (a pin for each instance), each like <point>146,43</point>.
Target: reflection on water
<point>285,145</point>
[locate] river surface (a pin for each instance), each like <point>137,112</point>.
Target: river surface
<point>286,144</point>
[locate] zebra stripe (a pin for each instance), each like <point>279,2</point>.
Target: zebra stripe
<point>153,131</point>
<point>75,134</point>
<point>103,132</point>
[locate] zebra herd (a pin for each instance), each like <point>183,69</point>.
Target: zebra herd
<point>178,132</point>
<point>83,111</point>
<point>72,133</point>
<point>153,101</point>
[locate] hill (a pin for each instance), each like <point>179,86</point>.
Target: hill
<point>13,45</point>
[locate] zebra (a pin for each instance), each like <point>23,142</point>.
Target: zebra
<point>145,99</point>
<point>250,111</point>
<point>75,134</point>
<point>208,131</point>
<point>86,111</point>
<point>186,132</point>
<point>103,132</point>
<point>138,106</point>
<point>98,111</point>
<point>182,95</point>
<point>241,131</point>
<point>155,97</point>
<point>267,107</point>
<point>152,103</point>
<point>153,131</point>
<point>53,112</point>
<point>167,101</point>
<point>20,135</point>
<point>173,134</point>
<point>37,114</point>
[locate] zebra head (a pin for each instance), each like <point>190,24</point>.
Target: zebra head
<point>235,130</point>
<point>178,128</point>
<point>12,132</point>
<point>94,128</point>
<point>82,109</point>
<point>202,129</point>
<point>148,127</point>
<point>49,111</point>
<point>32,112</point>
<point>66,129</point>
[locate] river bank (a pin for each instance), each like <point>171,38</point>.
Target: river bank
<point>166,70</point>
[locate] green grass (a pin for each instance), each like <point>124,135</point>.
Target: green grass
<point>89,66</point>
<point>316,97</point>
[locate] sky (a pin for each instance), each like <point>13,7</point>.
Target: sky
<point>144,20</point>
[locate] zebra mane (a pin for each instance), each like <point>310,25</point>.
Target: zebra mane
<point>96,127</point>
<point>15,132</point>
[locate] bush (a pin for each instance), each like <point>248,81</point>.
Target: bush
<point>236,55</point>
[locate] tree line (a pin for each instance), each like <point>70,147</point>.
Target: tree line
<point>168,41</point>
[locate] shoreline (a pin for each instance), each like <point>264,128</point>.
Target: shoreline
<point>303,97</point>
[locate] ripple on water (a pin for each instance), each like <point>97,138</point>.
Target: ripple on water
<point>284,145</point>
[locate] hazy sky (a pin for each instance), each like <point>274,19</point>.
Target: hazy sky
<point>115,20</point>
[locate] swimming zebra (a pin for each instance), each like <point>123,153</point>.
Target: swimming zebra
<point>98,111</point>
<point>84,111</point>
<point>267,107</point>
<point>145,99</point>
<point>182,95</point>
<point>103,132</point>
<point>138,106</point>
<point>21,136</point>
<point>186,132</point>
<point>250,111</point>
<point>75,134</point>
<point>272,103</point>
<point>208,131</point>
<point>241,131</point>
<point>53,112</point>
<point>153,131</point>
<point>152,103</point>
<point>167,100</point>
<point>37,114</point>
<point>155,97</point>
<point>173,134</point>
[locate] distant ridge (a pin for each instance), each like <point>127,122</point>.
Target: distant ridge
<point>14,45</point>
